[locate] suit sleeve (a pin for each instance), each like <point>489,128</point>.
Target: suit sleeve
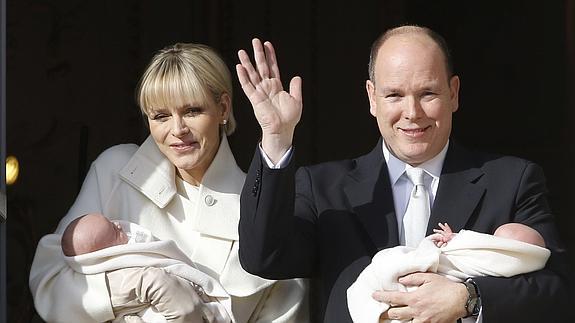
<point>277,222</point>
<point>540,296</point>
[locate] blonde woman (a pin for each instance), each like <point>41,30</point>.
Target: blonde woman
<point>183,184</point>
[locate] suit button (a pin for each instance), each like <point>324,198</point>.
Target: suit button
<point>210,200</point>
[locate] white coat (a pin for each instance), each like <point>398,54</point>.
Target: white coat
<point>138,184</point>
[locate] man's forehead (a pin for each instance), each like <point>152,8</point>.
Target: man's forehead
<point>397,43</point>
<point>407,53</point>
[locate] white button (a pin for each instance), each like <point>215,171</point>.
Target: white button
<point>210,200</point>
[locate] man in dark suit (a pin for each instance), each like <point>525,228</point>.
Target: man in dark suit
<point>325,222</point>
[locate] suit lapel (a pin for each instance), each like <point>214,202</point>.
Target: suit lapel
<point>368,190</point>
<point>459,190</point>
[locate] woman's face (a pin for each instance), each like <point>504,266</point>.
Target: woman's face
<point>189,135</point>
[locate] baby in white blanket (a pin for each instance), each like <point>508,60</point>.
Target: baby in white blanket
<point>513,249</point>
<point>92,232</point>
<point>143,292</point>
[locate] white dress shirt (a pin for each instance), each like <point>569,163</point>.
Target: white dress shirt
<point>402,186</point>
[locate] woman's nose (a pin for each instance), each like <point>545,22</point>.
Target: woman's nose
<point>179,127</point>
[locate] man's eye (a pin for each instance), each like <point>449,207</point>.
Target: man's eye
<point>392,95</point>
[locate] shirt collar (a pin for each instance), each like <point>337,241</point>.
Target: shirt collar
<point>396,167</point>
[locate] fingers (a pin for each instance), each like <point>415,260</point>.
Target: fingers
<point>400,313</point>
<point>251,72</point>
<point>271,60</point>
<point>266,65</point>
<point>295,88</point>
<point>260,59</point>
<point>415,279</point>
<point>245,82</point>
<point>391,298</point>
<point>445,227</point>
<point>442,226</point>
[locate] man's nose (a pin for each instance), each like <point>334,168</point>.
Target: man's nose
<point>413,109</point>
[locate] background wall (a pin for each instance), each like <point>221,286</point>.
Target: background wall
<point>73,66</point>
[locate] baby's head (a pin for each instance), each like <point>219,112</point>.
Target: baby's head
<point>91,232</point>
<point>520,232</point>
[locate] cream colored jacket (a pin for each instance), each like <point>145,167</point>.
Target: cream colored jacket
<point>137,184</point>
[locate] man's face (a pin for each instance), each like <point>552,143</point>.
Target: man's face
<point>412,97</point>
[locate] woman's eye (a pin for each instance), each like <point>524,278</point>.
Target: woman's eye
<point>159,117</point>
<point>193,111</point>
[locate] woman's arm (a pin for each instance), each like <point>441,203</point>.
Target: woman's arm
<point>60,294</point>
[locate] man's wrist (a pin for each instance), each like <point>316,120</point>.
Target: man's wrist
<point>473,302</point>
<point>276,146</point>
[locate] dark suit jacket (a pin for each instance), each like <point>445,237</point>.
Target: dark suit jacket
<point>328,220</point>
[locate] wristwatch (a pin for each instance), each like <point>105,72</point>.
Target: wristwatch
<point>473,303</point>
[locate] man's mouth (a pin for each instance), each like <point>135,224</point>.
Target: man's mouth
<point>414,132</point>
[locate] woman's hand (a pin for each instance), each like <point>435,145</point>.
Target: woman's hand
<point>276,110</point>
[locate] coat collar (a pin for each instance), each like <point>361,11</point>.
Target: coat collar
<point>370,196</point>
<point>151,173</point>
<point>459,191</point>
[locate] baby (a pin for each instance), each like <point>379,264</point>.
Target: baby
<point>140,293</point>
<point>514,231</point>
<point>94,231</point>
<point>513,249</point>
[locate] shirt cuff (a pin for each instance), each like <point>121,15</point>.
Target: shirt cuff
<point>283,161</point>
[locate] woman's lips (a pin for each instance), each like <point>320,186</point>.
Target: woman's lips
<point>184,146</point>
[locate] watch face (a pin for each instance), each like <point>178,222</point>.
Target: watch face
<point>473,309</point>
<point>472,300</point>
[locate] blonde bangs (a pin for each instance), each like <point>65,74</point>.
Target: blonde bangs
<point>170,84</point>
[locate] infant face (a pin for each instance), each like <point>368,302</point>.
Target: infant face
<point>92,232</point>
<point>105,233</point>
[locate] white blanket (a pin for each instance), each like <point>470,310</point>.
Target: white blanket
<point>149,253</point>
<point>468,254</point>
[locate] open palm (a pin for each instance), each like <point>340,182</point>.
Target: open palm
<point>276,110</point>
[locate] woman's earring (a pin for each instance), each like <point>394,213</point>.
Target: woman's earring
<point>225,122</point>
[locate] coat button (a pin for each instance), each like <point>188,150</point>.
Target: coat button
<point>210,200</point>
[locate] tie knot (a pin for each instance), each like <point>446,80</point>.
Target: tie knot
<point>415,175</point>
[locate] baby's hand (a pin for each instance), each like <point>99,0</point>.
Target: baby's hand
<point>442,236</point>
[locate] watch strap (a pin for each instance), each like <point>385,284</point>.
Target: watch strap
<point>473,303</point>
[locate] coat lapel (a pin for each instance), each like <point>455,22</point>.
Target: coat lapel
<point>368,190</point>
<point>459,191</point>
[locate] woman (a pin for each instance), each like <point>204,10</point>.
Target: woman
<point>182,183</point>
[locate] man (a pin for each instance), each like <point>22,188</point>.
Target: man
<point>328,220</point>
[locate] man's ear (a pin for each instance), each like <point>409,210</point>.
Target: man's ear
<point>370,88</point>
<point>454,92</point>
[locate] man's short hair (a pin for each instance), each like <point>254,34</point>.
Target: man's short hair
<point>409,29</point>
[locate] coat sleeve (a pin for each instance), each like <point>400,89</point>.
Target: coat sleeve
<point>540,296</point>
<point>277,222</point>
<point>61,294</point>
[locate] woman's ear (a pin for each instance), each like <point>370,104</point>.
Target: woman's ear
<point>226,104</point>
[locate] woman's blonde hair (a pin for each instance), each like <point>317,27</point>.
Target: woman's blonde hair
<point>185,73</point>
